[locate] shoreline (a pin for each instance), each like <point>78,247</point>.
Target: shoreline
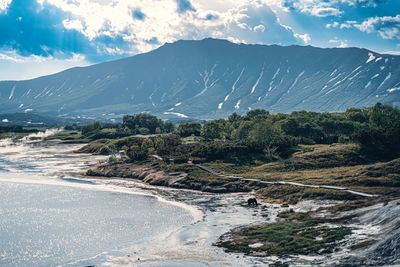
<point>221,212</point>
<point>355,241</point>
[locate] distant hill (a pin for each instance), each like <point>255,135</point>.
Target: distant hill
<point>35,119</point>
<point>213,78</point>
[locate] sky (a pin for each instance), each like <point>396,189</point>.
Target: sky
<point>40,37</point>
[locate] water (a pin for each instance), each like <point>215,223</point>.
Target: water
<point>52,215</point>
<point>49,220</point>
<point>44,225</point>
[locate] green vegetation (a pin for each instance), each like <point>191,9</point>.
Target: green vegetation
<point>16,132</point>
<point>146,124</point>
<point>189,129</point>
<point>289,194</point>
<point>68,136</point>
<point>298,233</point>
<point>357,149</point>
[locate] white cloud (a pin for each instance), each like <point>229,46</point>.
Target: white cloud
<point>16,67</point>
<point>305,37</point>
<point>339,43</point>
<point>4,5</point>
<point>320,8</point>
<point>332,25</point>
<point>345,26</point>
<point>259,28</point>
<point>387,27</point>
<point>73,24</point>
<point>397,53</point>
<point>317,8</point>
<point>238,20</point>
<point>362,3</point>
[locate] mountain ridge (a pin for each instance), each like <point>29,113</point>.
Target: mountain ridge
<point>212,78</point>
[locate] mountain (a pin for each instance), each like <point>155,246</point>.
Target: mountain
<point>212,78</point>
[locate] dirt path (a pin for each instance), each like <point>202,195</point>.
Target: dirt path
<point>282,182</point>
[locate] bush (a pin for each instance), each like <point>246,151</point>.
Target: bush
<point>91,129</point>
<point>135,153</point>
<point>146,124</point>
<point>188,129</point>
<point>381,143</point>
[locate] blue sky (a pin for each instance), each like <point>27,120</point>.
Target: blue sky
<point>39,37</point>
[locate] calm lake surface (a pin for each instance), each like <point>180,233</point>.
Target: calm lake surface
<point>44,225</point>
<point>50,221</point>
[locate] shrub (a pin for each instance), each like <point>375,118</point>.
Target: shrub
<point>135,153</point>
<point>188,129</point>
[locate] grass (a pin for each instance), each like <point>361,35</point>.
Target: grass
<point>68,137</point>
<point>306,157</point>
<point>297,234</point>
<point>191,139</point>
<point>294,233</point>
<point>14,136</point>
<point>337,165</point>
<point>290,194</point>
<point>200,180</point>
<point>309,157</point>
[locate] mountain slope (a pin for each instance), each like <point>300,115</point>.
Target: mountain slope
<point>213,78</point>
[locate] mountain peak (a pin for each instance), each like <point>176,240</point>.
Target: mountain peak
<point>212,78</point>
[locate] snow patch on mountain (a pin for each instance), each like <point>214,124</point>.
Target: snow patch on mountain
<point>387,78</point>
<point>370,57</point>
<point>176,114</point>
<point>391,90</point>
<point>12,92</point>
<point>257,82</point>
<point>234,85</point>
<point>206,76</point>
<point>273,79</point>
<point>237,106</point>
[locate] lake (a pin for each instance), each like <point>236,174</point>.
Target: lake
<point>50,215</point>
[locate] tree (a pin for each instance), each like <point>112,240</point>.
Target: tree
<point>233,117</point>
<point>169,127</point>
<point>307,129</point>
<point>291,127</point>
<point>380,143</point>
<point>357,115</point>
<point>92,128</point>
<point>138,122</point>
<point>384,117</point>
<point>243,130</point>
<point>266,135</point>
<point>135,153</point>
<point>188,129</point>
<point>256,112</point>
<point>135,122</point>
<point>216,129</point>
